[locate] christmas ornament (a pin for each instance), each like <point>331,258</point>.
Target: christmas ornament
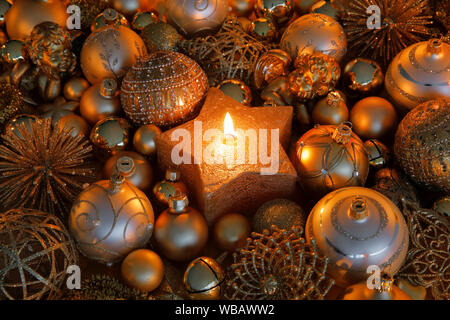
<point>385,291</point>
<point>421,144</point>
<point>303,6</point>
<point>231,231</point>
<point>11,103</point>
<point>270,66</point>
<point>282,213</point>
<point>415,292</point>
<point>331,110</point>
<point>277,265</point>
<point>442,206</point>
<point>330,8</point>
<point>263,29</point>
<point>144,140</point>
<point>111,218</point>
<point>100,101</point>
<point>13,51</point>
<point>181,232</point>
<point>5,5</point>
<point>89,10</point>
<point>144,18</point>
<point>355,228</point>
<point>203,279</point>
<point>57,109</point>
<point>242,8</point>
<point>43,168</point>
<point>109,17</point>
<point>143,269</point>
<point>362,77</point>
<point>3,37</point>
<point>237,90</point>
<point>379,155</point>
<point>25,119</point>
<point>194,18</point>
<point>128,7</point>
<point>169,187</point>
<point>401,24</point>
<point>74,88</point>
<point>160,37</point>
<point>373,118</point>
<point>141,174</point>
<point>279,11</point>
<point>164,89</point>
<point>418,74</point>
<point>109,52</point>
<point>315,33</point>
<point>76,124</point>
<point>25,14</point>
<point>110,135</point>
<point>35,251</point>
<point>329,158</point>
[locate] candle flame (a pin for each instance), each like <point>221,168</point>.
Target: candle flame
<point>228,127</point>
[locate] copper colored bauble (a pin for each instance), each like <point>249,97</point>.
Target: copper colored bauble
<point>315,33</point>
<point>109,17</point>
<point>231,231</point>
<point>111,134</point>
<point>5,5</point>
<point>25,14</point>
<point>100,101</point>
<point>73,122</point>
<point>237,90</point>
<point>270,66</point>
<point>160,37</point>
<point>331,8</point>
<point>442,206</point>
<point>13,51</point>
<point>3,38</point>
<point>329,158</point>
<point>419,73</point>
<point>279,11</point>
<point>164,89</point>
<point>374,118</point>
<point>263,29</point>
<point>421,144</point>
<point>203,279</point>
<point>109,52</point>
<point>128,7</point>
<point>193,18</point>
<point>74,88</point>
<point>355,228</point>
<point>110,218</point>
<point>144,140</point>
<point>142,19</point>
<point>379,155</point>
<point>181,232</point>
<point>141,174</point>
<point>58,109</point>
<point>330,110</point>
<point>386,291</point>
<point>169,187</point>
<point>282,213</point>
<point>15,123</point>
<point>143,269</point>
<point>303,6</point>
<point>362,76</point>
<point>242,8</point>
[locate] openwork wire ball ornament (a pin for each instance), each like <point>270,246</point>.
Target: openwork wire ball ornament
<point>35,252</point>
<point>278,265</point>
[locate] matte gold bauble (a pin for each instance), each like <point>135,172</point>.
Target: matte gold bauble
<point>13,51</point>
<point>75,122</point>
<point>271,65</point>
<point>231,231</point>
<point>128,7</point>
<point>303,6</point>
<point>386,291</point>
<point>421,144</point>
<point>169,187</point>
<point>419,73</point>
<point>282,213</point>
<point>144,19</point>
<point>196,18</point>
<point>5,5</point>
<point>109,52</point>
<point>379,155</point>
<point>363,76</point>
<point>143,270</point>
<point>181,232</point>
<point>442,206</point>
<point>263,29</point>
<point>74,88</point>
<point>25,14</point>
<point>280,11</point>
<point>203,279</point>
<point>374,118</point>
<point>329,158</point>
<point>111,134</point>
<point>141,174</point>
<point>109,17</point>
<point>242,8</point>
<point>100,101</point>
<point>166,88</point>
<point>330,110</point>
<point>160,37</point>
<point>355,228</point>
<point>315,33</point>
<point>238,90</point>
<point>111,218</point>
<point>144,140</point>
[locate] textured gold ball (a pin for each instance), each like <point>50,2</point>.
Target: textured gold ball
<point>231,231</point>
<point>111,134</point>
<point>379,155</point>
<point>237,90</point>
<point>242,8</point>
<point>160,37</point>
<point>330,110</point>
<point>263,29</point>
<point>143,270</point>
<point>76,123</point>
<point>144,140</point>
<point>203,279</point>
<point>363,76</point>
<point>279,11</point>
<point>282,213</point>
<point>74,88</point>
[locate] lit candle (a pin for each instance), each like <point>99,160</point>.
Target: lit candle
<point>229,141</point>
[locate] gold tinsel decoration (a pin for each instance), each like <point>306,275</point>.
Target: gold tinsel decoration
<point>43,168</point>
<point>11,103</point>
<point>278,265</point>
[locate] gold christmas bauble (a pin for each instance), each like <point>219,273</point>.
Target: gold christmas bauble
<point>270,66</point>
<point>279,11</point>
<point>73,122</point>
<point>160,37</point>
<point>203,279</point>
<point>303,6</point>
<point>356,228</point>
<point>109,17</point>
<point>144,140</point>
<point>13,51</point>
<point>242,8</point>
<point>331,8</point>
<point>169,187</point>
<point>315,32</point>
<point>330,157</point>
<point>143,19</point>
<point>109,52</point>
<point>5,5</point>
<point>374,118</point>
<point>57,109</point>
<point>385,291</point>
<point>143,270</point>
<point>231,231</point>
<point>282,213</point>
<point>421,144</point>
<point>181,232</point>
<point>330,110</point>
<point>263,29</point>
<point>164,89</point>
<point>111,218</point>
<point>110,135</point>
<point>128,7</point>
<point>238,90</point>
<point>100,101</point>
<point>362,77</point>
<point>419,73</point>
<point>379,155</point>
<point>74,88</point>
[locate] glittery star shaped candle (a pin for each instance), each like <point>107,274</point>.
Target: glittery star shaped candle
<point>231,157</point>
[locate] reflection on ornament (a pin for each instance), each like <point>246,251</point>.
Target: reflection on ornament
<point>270,66</point>
<point>231,231</point>
<point>263,29</point>
<point>13,51</point>
<point>171,186</point>
<point>111,134</point>
<point>279,11</point>
<point>144,140</point>
<point>363,76</point>
<point>128,7</point>
<point>5,5</point>
<point>203,279</point>
<point>442,206</point>
<point>74,88</point>
<point>237,90</point>
<point>242,8</point>
<point>379,155</point>
<point>143,19</point>
<point>76,124</point>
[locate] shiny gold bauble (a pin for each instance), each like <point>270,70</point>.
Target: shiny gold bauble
<point>271,65</point>
<point>25,14</point>
<point>442,206</point>
<point>419,73</point>
<point>238,90</point>
<point>363,76</point>
<point>263,29</point>
<point>360,291</point>
<point>144,19</point>
<point>143,270</point>
<point>128,7</point>
<point>160,37</point>
<point>203,279</point>
<point>421,144</point>
<point>100,101</point>
<point>329,158</point>
<point>331,8</point>
<point>141,174</point>
<point>282,213</point>
<point>144,140</point>
<point>379,155</point>
<point>374,118</point>
<point>303,6</point>
<point>231,231</point>
<point>193,18</point>
<point>76,123</point>
<point>181,232</point>
<point>169,187</point>
<point>279,11</point>
<point>13,51</point>
<point>242,8</point>
<point>74,88</point>
<point>315,33</point>
<point>5,5</point>
<point>355,228</point>
<point>109,52</point>
<point>109,17</point>
<point>165,89</point>
<point>111,134</point>
<point>111,218</point>
<point>14,124</point>
<point>330,110</point>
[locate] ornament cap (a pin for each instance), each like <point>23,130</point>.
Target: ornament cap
<point>333,98</point>
<point>173,175</point>
<point>178,203</point>
<point>358,210</point>
<point>108,87</point>
<point>434,46</point>
<point>386,283</point>
<point>343,133</point>
<point>124,168</point>
<point>110,15</point>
